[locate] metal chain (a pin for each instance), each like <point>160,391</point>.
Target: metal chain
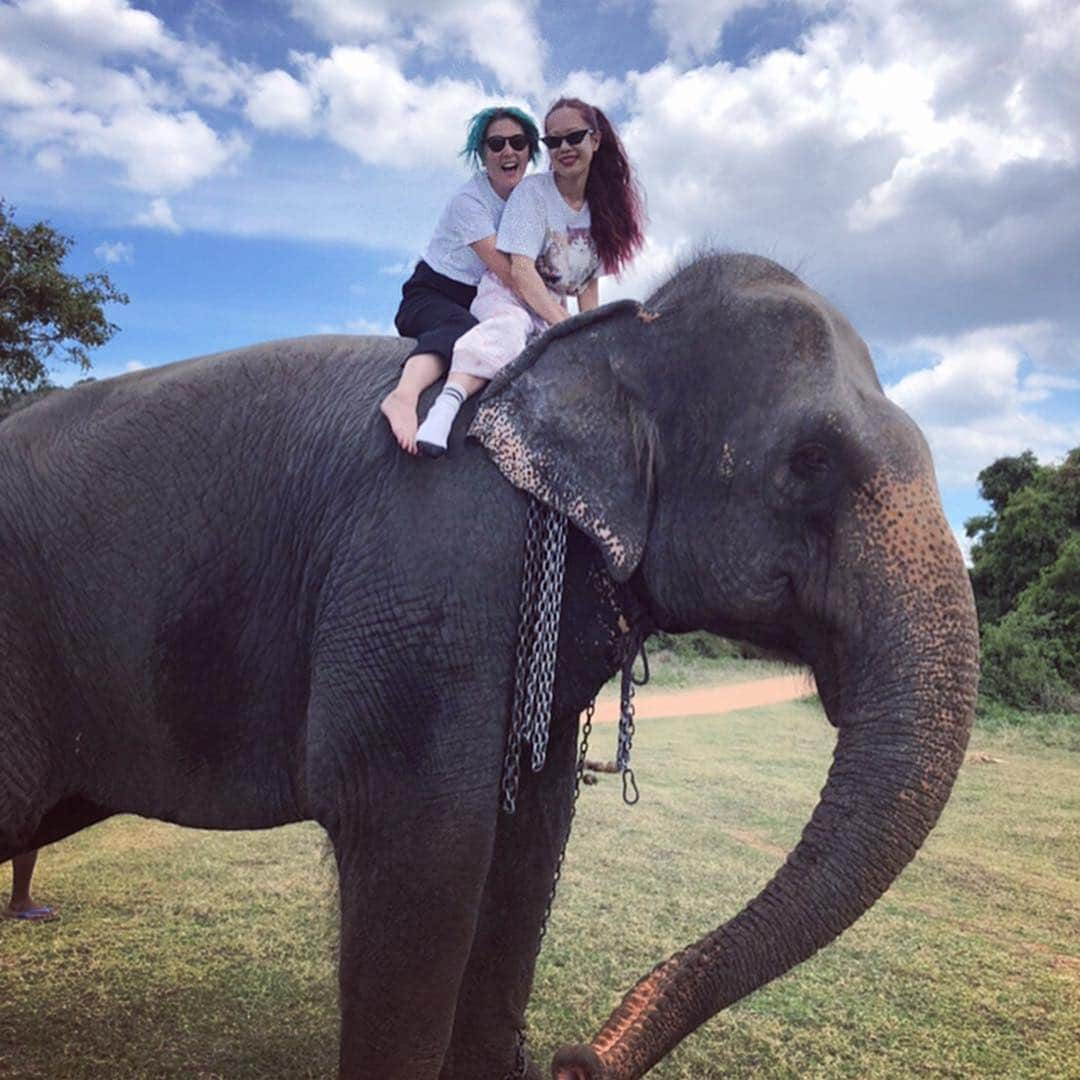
<point>534,682</point>
<point>529,573</point>
<point>579,772</point>
<point>537,644</point>
<point>626,714</point>
<point>520,1059</point>
<point>541,681</point>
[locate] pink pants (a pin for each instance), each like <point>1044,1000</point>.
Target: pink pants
<point>506,324</point>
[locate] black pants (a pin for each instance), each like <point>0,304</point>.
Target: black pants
<point>435,310</point>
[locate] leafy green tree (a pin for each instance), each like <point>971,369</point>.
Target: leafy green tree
<point>999,481</point>
<point>44,311</point>
<point>1031,520</point>
<point>1026,578</point>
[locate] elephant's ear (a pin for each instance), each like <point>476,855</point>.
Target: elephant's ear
<point>562,424</point>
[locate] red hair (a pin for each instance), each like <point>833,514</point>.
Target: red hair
<point>615,203</point>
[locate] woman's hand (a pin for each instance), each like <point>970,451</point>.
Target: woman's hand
<point>530,287</point>
<point>589,297</point>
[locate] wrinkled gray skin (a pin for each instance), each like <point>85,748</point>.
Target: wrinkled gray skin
<point>228,600</point>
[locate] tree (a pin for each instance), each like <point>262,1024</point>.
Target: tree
<point>1026,578</point>
<point>44,310</point>
<point>1007,475</point>
<point>1036,509</point>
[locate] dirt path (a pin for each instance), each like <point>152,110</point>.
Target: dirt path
<point>709,700</point>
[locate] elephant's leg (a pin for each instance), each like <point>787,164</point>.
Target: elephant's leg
<point>498,979</point>
<point>33,812</point>
<point>412,860</point>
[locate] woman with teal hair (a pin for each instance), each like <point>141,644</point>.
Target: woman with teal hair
<point>435,301</point>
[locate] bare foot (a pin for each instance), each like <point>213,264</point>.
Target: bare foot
<point>400,412</point>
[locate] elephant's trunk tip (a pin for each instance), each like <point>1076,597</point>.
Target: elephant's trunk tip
<point>578,1062</point>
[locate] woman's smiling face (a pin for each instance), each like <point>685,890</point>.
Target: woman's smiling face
<point>505,167</point>
<point>570,162</point>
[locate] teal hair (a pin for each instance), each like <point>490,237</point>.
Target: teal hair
<point>478,125</point>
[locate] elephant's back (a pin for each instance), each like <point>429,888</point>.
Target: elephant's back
<point>269,377</point>
<point>261,435</point>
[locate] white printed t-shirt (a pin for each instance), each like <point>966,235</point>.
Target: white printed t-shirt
<point>473,212</point>
<point>538,222</point>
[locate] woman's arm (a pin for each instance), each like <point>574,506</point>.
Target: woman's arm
<point>589,297</point>
<point>498,262</point>
<point>528,285</point>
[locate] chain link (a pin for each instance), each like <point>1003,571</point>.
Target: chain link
<point>534,682</point>
<point>520,1058</point>
<point>626,714</point>
<point>537,645</point>
<point>545,649</point>
<point>521,1061</point>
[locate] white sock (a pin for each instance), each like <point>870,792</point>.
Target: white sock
<point>434,432</point>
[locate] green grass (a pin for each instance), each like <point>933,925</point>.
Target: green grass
<point>1051,729</point>
<point>191,954</point>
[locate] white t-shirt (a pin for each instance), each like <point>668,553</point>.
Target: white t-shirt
<point>471,214</point>
<point>538,222</point>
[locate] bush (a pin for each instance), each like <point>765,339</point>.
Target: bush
<point>702,645</point>
<point>1022,657</point>
<point>1026,580</point>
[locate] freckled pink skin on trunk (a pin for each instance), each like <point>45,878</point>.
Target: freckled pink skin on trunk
<point>903,723</point>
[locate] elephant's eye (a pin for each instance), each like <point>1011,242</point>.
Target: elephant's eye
<point>811,462</point>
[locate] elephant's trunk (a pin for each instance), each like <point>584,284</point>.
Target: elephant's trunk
<point>901,689</point>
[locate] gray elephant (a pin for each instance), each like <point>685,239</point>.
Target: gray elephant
<point>228,601</point>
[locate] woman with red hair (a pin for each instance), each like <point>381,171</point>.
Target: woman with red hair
<point>560,229</point>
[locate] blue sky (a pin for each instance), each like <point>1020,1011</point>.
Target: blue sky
<point>247,171</point>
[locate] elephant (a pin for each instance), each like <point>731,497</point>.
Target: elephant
<point>227,600</point>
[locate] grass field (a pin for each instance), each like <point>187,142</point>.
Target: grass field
<point>204,955</point>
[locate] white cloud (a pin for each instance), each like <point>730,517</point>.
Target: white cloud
<point>49,160</point>
<point>360,97</point>
<point>98,78</point>
<point>500,35</point>
<point>977,400</point>
<point>1042,385</point>
<point>158,215</point>
<point>694,28</point>
<point>102,26</point>
<point>278,102</point>
<point>159,152</point>
<point>909,158</point>
<point>652,266</point>
<point>118,252</point>
<point>960,453</point>
<point>19,87</point>
<point>382,117</point>
<point>974,377</point>
<point>606,94</point>
<point>134,365</point>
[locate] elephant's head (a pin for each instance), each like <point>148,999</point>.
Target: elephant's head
<point>729,448</point>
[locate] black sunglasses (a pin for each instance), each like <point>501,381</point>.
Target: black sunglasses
<point>495,143</point>
<point>553,142</point>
